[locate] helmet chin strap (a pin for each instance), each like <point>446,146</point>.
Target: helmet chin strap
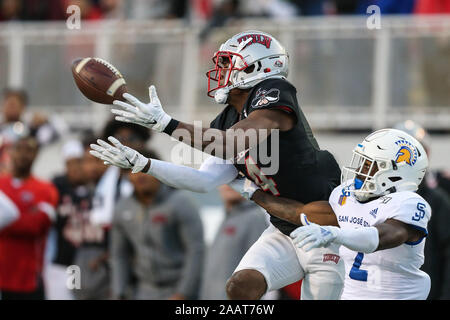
<point>221,95</point>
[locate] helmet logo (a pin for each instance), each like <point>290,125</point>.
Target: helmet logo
<point>265,97</point>
<point>256,38</point>
<point>407,153</point>
<point>278,63</point>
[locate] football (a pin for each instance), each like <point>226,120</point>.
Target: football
<point>98,80</point>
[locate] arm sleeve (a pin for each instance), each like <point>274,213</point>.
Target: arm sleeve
<point>119,259</point>
<point>191,232</point>
<point>8,211</point>
<point>364,240</point>
<point>212,173</point>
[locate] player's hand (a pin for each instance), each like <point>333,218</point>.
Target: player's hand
<point>118,155</point>
<point>150,115</point>
<point>312,235</point>
<point>244,186</point>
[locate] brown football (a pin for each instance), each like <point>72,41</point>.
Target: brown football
<point>98,80</point>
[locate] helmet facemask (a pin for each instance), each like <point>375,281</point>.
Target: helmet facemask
<point>387,161</point>
<point>245,60</point>
<point>226,63</point>
<point>363,176</point>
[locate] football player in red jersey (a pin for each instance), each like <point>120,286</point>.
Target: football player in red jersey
<point>22,243</point>
<point>250,77</point>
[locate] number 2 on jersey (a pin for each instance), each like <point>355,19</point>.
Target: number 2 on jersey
<point>259,177</point>
<point>356,273</point>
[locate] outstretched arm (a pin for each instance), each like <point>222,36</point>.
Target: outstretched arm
<point>212,173</point>
<point>386,235</point>
<point>224,144</point>
<point>289,210</point>
<point>245,134</point>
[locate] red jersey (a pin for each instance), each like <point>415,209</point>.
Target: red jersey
<point>22,244</point>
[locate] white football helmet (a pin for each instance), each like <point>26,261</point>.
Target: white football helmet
<point>244,60</point>
<point>387,161</point>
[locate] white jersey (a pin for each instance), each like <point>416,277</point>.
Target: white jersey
<point>391,273</point>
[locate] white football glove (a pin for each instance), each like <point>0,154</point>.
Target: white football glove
<point>312,235</point>
<point>150,115</point>
<point>244,186</point>
<point>118,155</point>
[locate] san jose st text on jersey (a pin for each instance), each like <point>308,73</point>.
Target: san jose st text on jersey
<point>223,309</point>
<point>354,220</point>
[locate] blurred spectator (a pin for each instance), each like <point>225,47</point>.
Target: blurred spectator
<point>437,245</point>
<point>388,6</point>
<point>89,11</point>
<point>114,183</point>
<point>129,134</point>
<point>91,238</point>
<point>10,10</point>
<point>273,8</point>
<point>74,202</point>
<point>243,224</point>
<point>157,237</point>
<point>13,106</point>
<point>310,7</point>
<point>15,125</point>
<point>22,244</point>
<point>44,10</point>
<point>112,9</point>
<point>346,6</point>
<point>11,128</point>
<point>15,122</point>
<point>201,10</point>
<point>442,179</point>
<point>93,168</point>
<point>223,11</point>
<point>432,7</point>
<point>110,184</point>
<point>157,9</point>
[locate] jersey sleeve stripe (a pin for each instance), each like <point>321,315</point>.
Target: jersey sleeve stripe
<point>284,108</point>
<point>420,229</point>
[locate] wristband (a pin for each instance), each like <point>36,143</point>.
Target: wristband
<point>171,126</point>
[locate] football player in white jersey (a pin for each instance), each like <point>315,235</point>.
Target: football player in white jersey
<point>382,220</point>
<point>384,203</point>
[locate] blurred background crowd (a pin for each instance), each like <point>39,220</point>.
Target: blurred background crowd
<point>210,11</point>
<point>133,237</point>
